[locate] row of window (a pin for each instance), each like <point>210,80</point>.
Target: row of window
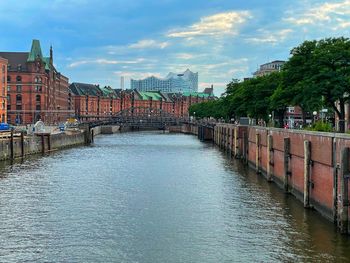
<point>19,88</point>
<point>19,98</point>
<point>19,79</point>
<point>19,107</point>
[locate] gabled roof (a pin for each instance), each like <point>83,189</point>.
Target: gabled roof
<point>146,95</point>
<point>108,92</point>
<point>84,89</point>
<point>15,59</point>
<point>195,94</point>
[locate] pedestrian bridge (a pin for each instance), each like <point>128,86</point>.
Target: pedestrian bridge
<point>138,117</point>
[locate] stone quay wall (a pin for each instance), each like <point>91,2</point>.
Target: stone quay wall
<point>312,166</point>
<point>20,146</point>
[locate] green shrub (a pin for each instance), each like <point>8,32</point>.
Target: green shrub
<point>320,126</point>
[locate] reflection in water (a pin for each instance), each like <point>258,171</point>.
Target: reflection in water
<point>153,197</point>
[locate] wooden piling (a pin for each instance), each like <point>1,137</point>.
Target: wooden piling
<point>49,142</point>
<point>42,143</point>
<point>257,153</point>
<point>236,142</point>
<point>245,147</point>
<point>307,173</point>
<point>22,144</point>
<point>335,181</point>
<point>286,163</point>
<point>344,209</point>
<point>269,172</point>
<point>12,155</point>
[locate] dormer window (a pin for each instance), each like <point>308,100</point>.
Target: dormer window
<point>19,67</point>
<point>8,66</point>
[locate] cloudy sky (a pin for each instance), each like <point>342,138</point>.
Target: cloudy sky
<point>99,41</point>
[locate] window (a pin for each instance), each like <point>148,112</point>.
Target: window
<point>8,88</point>
<point>19,107</point>
<point>19,67</point>
<point>38,89</point>
<point>40,80</point>
<point>38,107</point>
<point>37,98</point>
<point>8,78</point>
<point>18,98</point>
<point>18,78</point>
<point>8,67</point>
<point>18,88</point>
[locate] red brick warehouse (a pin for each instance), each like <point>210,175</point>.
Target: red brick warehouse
<point>36,90</point>
<point>3,89</point>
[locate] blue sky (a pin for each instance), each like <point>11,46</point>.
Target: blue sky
<point>99,41</point>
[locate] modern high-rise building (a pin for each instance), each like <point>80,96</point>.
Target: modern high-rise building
<point>122,82</point>
<point>183,82</point>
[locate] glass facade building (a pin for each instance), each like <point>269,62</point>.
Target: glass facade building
<point>183,82</point>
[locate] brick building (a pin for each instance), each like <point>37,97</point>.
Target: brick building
<point>95,102</point>
<point>3,89</point>
<point>36,90</point>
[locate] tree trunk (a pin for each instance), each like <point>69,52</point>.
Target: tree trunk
<point>342,116</point>
<point>303,117</point>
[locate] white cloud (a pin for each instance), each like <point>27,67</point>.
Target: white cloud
<point>219,24</point>
<point>267,36</point>
<point>102,61</point>
<point>149,43</point>
<point>185,56</point>
<point>336,13</point>
<point>136,75</point>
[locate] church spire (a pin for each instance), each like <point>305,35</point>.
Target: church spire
<point>51,55</point>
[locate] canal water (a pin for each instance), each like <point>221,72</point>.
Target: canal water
<point>154,197</point>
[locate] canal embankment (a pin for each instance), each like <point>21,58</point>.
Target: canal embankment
<point>311,166</point>
<point>18,144</point>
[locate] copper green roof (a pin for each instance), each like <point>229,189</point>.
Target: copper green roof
<point>47,62</point>
<point>195,94</point>
<point>108,92</point>
<point>146,95</point>
<point>35,51</point>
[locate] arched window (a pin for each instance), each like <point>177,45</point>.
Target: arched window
<point>18,78</point>
<point>40,80</point>
<point>8,78</point>
<point>18,98</point>
<point>38,98</point>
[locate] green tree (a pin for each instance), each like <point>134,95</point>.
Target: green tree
<point>320,71</point>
